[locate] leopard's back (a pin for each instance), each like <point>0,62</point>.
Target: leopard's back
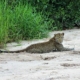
<point>46,46</point>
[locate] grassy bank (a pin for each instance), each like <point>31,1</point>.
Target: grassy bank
<point>20,23</point>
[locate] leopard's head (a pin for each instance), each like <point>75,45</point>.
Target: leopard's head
<point>59,37</point>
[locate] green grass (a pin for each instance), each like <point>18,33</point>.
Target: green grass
<point>20,23</point>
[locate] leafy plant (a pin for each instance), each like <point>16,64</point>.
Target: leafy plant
<point>62,14</point>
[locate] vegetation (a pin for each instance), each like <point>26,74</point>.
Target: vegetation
<point>61,14</point>
<point>20,22</point>
<point>28,19</point>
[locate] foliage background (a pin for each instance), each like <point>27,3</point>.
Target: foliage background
<point>62,14</point>
<point>28,19</point>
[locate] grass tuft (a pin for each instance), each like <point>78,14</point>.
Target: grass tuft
<point>20,23</point>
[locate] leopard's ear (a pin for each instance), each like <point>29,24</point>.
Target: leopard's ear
<point>55,34</point>
<point>62,33</point>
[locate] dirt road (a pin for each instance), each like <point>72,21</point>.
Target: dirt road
<point>48,66</point>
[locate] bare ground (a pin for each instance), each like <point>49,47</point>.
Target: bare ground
<point>48,66</point>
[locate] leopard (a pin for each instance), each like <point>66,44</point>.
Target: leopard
<point>53,44</point>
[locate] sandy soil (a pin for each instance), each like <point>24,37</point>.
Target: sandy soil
<point>48,66</point>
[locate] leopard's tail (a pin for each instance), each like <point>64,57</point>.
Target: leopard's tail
<point>18,51</point>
